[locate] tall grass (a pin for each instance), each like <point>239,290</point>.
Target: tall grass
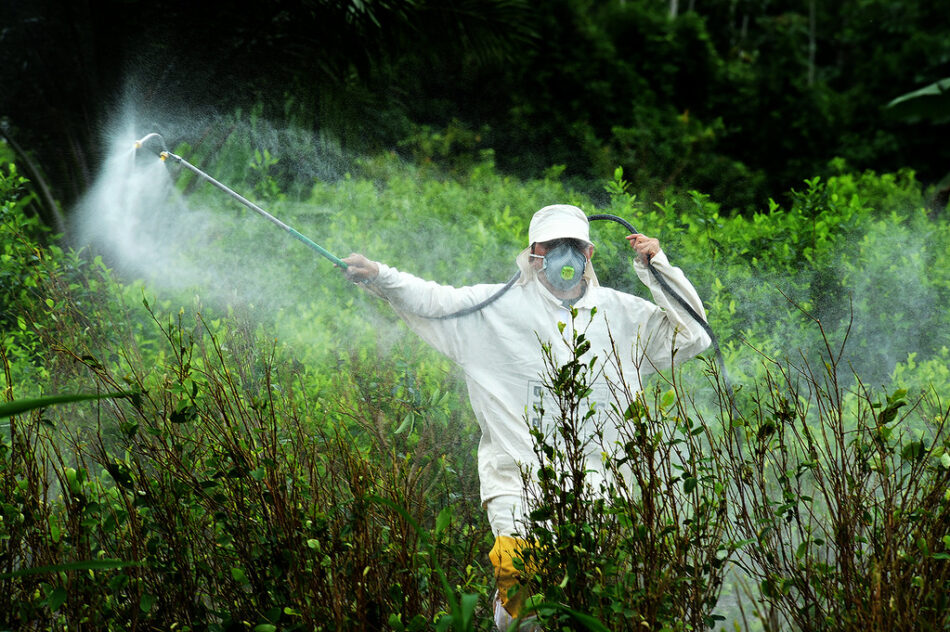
<point>242,500</point>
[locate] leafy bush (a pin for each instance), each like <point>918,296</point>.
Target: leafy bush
<point>278,403</point>
<point>839,493</point>
<point>224,498</point>
<point>238,499</point>
<point>642,548</point>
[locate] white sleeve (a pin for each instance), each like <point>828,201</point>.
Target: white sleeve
<point>672,334</point>
<point>420,303</point>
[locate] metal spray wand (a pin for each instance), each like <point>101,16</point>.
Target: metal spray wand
<point>164,154</point>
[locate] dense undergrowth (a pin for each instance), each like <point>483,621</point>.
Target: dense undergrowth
<point>292,460</point>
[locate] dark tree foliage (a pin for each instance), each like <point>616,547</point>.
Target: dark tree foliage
<point>68,64</point>
<point>735,98</point>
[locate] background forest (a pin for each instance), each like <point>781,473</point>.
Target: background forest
<point>206,428</point>
<point>739,99</point>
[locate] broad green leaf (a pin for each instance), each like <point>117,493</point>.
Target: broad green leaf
<point>56,599</point>
<point>668,398</point>
<point>689,484</point>
<point>147,602</point>
<point>20,406</point>
<point>443,520</point>
<point>395,622</point>
<point>467,605</point>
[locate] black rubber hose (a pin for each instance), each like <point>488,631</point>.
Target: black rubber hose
<point>659,279</point>
<point>488,301</point>
<point>686,306</point>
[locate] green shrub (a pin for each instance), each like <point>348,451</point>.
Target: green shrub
<point>839,496</point>
<point>644,548</point>
<point>279,401</point>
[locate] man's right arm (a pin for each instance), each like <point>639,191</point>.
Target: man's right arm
<point>420,303</point>
<point>359,269</point>
<point>406,292</point>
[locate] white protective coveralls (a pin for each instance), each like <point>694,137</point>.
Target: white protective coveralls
<point>499,348</point>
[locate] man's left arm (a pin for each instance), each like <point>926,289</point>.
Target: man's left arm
<point>671,331</point>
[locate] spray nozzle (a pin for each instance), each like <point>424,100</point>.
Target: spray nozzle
<point>153,142</point>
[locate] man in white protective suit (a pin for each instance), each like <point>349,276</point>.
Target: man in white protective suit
<point>498,347</point>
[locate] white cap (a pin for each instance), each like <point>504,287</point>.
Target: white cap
<point>559,221</point>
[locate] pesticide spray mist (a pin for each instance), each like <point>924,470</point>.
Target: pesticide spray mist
<point>179,235</point>
<point>135,217</point>
<point>150,222</point>
<point>138,217</point>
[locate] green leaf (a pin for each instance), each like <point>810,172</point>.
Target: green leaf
<point>395,622</point>
<point>586,620</point>
<point>467,605</point>
<point>668,398</point>
<point>930,102</point>
<point>265,627</point>
<point>238,575</point>
<point>689,484</point>
<point>56,599</point>
<point>258,474</point>
<point>443,520</point>
<point>20,406</point>
<point>405,424</point>
<point>802,550</point>
<point>147,602</point>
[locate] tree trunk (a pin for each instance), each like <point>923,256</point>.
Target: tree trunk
<point>812,45</point>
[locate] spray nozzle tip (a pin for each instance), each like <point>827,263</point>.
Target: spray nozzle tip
<point>153,141</point>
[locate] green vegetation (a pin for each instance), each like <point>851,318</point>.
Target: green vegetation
<point>293,460</point>
<point>205,428</point>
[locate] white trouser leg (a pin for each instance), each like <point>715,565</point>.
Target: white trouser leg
<point>506,515</point>
<point>502,618</point>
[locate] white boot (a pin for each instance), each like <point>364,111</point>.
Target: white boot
<point>503,620</point>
